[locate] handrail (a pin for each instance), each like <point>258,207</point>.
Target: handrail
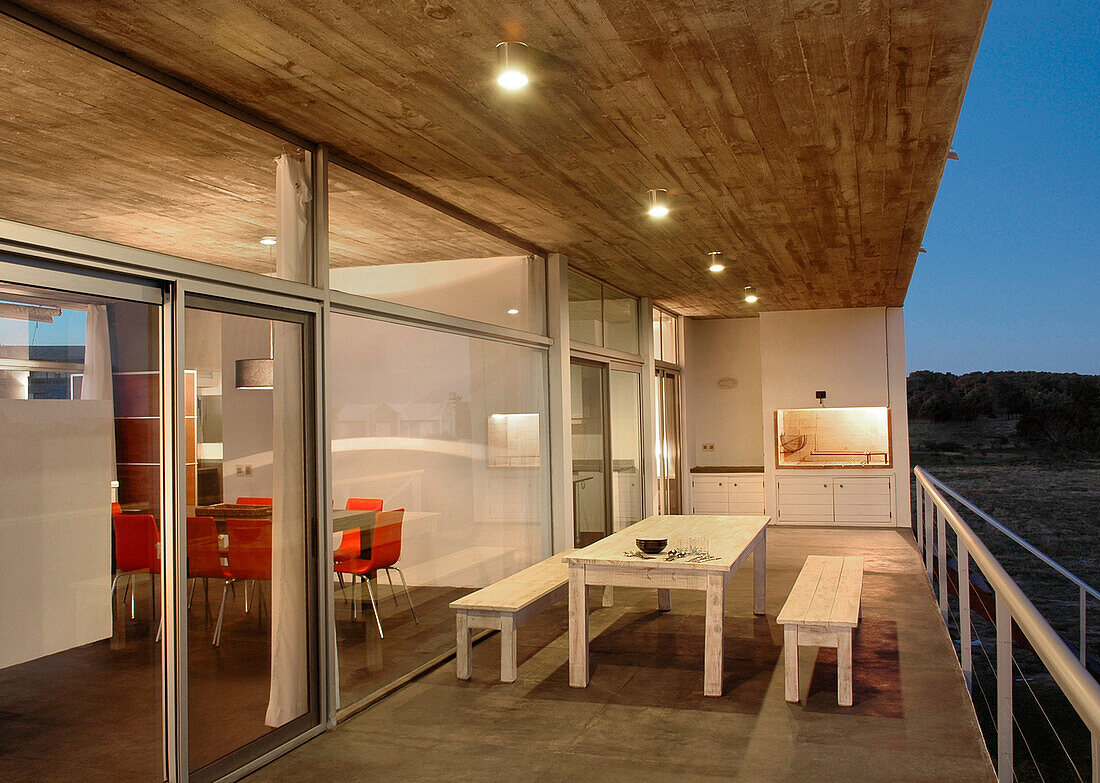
<point>1012,606</point>
<point>1016,538</point>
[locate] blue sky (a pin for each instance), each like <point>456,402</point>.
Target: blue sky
<point>1010,279</point>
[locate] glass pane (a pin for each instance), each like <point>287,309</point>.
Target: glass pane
<point>202,187</point>
<point>80,590</point>
<point>669,343</point>
<point>626,447</point>
<point>440,475</point>
<point>246,537</point>
<point>621,320</point>
<point>585,310</point>
<point>388,246</point>
<point>590,457</point>
<point>657,344</point>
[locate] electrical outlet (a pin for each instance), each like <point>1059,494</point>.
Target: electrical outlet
<point>708,447</point>
<point>248,470</point>
<point>240,470</point>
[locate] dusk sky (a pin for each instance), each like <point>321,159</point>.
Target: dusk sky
<point>1011,279</point>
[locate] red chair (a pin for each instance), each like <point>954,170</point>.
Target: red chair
<point>351,540</point>
<point>385,552</point>
<point>204,555</point>
<point>363,504</point>
<point>116,507</point>
<point>248,557</point>
<point>254,502</point>
<point>136,540</point>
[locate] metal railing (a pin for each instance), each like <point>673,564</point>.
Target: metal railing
<point>933,516</point>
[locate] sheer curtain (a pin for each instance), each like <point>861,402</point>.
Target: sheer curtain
<point>289,695</point>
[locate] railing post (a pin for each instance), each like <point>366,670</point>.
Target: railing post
<point>1083,642</point>
<point>1004,692</point>
<point>1095,758</point>
<point>929,528</point>
<point>920,517</point>
<point>965,650</point>
<point>941,543</point>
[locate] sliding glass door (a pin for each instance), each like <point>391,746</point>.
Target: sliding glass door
<point>250,614</point>
<point>81,627</point>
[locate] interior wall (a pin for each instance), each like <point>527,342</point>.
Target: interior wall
<point>727,417</point>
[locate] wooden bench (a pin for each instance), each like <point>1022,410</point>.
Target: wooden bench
<point>821,611</point>
<point>504,606</point>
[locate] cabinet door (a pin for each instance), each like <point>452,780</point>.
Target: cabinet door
<point>863,500</point>
<point>805,499</point>
<point>746,494</point>
<point>710,495</point>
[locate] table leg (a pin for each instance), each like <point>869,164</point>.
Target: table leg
<point>716,616</point>
<point>844,667</point>
<point>790,662</point>
<point>507,648</point>
<point>578,627</point>
<point>608,595</point>
<point>760,575</point>
<point>664,600</point>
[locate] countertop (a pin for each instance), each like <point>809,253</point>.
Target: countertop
<point>728,469</point>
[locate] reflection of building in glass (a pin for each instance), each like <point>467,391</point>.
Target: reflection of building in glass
<point>448,420</point>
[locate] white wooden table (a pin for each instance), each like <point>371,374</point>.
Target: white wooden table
<point>732,538</point>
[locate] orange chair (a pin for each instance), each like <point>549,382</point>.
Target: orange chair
<point>254,502</point>
<point>363,504</point>
<point>204,555</point>
<point>248,557</point>
<point>136,540</point>
<point>385,552</point>
<point>351,540</point>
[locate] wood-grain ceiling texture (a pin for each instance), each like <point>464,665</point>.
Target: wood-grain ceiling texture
<point>804,138</point>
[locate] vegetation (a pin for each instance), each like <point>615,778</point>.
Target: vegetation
<point>1041,415</point>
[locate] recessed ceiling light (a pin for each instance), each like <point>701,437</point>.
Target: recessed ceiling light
<point>750,294</point>
<point>513,311</point>
<point>512,65</point>
<point>269,240</point>
<point>716,264</point>
<point>658,202</point>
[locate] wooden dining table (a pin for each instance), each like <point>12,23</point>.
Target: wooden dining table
<point>730,539</point>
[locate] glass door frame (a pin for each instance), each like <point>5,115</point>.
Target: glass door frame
<point>605,413</point>
<point>228,299</point>
<point>663,482</point>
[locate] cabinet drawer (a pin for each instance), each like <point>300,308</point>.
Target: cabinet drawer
<point>709,506</point>
<point>747,506</point>
<point>710,483</point>
<point>747,486</point>
<point>859,486</point>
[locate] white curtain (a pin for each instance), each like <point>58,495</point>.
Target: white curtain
<point>97,384</point>
<point>289,695</point>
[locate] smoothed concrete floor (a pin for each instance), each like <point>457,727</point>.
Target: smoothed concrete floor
<point>644,717</point>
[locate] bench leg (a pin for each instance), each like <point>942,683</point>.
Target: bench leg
<point>464,647</point>
<point>790,662</point>
<point>507,648</point>
<point>844,667</point>
<point>760,576</point>
<point>578,627</point>
<point>664,600</point>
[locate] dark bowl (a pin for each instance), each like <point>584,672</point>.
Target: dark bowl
<point>651,546</point>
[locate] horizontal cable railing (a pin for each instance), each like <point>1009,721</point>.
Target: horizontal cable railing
<point>934,514</point>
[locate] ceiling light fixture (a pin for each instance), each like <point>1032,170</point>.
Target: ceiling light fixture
<point>952,155</point>
<point>750,294</point>
<point>513,311</point>
<point>658,202</point>
<point>512,65</point>
<point>269,240</point>
<point>716,264</point>
<point>257,373</point>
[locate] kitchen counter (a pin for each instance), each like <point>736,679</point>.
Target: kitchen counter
<point>728,469</point>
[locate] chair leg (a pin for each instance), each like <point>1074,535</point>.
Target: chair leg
<point>374,606</point>
<point>191,593</point>
<point>246,591</point>
<point>407,596</point>
<point>340,578</point>
<point>129,590</point>
<point>217,640</point>
<point>393,592</point>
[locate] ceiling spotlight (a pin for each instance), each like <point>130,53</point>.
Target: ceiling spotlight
<point>922,249</point>
<point>750,294</point>
<point>658,202</point>
<point>716,264</point>
<point>512,65</point>
<point>513,311</point>
<point>269,240</point>
<point>952,155</point>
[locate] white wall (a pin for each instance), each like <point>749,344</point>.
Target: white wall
<point>844,353</point>
<point>728,418</point>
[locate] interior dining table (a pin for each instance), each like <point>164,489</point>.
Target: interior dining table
<point>730,541</point>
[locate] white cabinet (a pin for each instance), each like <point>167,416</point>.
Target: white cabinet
<point>843,500</point>
<point>727,493</point>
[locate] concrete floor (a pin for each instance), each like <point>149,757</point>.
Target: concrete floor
<point>644,716</point>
